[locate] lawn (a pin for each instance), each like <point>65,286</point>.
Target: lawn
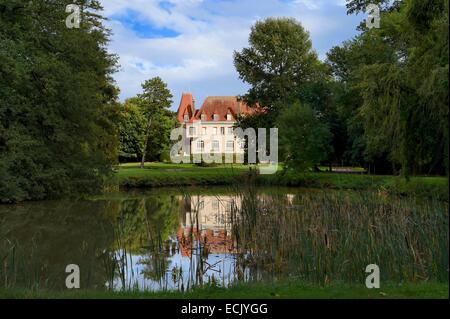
<point>161,174</point>
<point>286,290</point>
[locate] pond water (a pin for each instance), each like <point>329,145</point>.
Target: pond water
<point>176,239</point>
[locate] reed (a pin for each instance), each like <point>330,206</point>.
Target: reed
<point>332,237</point>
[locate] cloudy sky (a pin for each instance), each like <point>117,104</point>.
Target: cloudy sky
<point>190,43</point>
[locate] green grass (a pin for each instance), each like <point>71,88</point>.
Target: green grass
<point>418,185</point>
<point>160,174</point>
<point>287,290</point>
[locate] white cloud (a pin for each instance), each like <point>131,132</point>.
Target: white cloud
<point>317,4</point>
<point>200,58</point>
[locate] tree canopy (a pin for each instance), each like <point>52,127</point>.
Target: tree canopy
<point>57,101</point>
<point>397,76</point>
<point>279,60</point>
<point>154,103</point>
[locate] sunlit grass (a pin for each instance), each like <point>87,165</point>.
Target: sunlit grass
<point>168,174</point>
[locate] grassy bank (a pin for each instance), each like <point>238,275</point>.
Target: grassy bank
<point>158,174</point>
<point>290,290</point>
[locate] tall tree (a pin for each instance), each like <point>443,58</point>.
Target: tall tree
<point>279,60</point>
<point>400,114</point>
<point>283,69</point>
<point>398,77</point>
<point>304,138</point>
<point>158,148</point>
<point>131,130</point>
<point>155,100</point>
<point>57,100</point>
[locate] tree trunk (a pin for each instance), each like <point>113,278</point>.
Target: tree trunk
<point>147,133</point>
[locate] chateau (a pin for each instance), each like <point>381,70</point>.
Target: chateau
<point>210,128</point>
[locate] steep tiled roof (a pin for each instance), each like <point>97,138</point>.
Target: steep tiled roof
<point>219,105</point>
<point>186,107</point>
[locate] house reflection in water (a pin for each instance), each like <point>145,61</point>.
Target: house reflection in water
<point>206,224</point>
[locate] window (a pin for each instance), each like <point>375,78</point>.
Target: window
<point>215,131</point>
<point>230,146</point>
<point>191,131</point>
<point>215,204</point>
<point>186,117</point>
<point>203,117</point>
<point>230,131</point>
<point>204,130</point>
<point>222,131</point>
<point>216,117</point>
<point>215,145</point>
<point>229,117</point>
<point>201,146</point>
<point>242,144</point>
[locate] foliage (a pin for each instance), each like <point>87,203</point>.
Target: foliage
<point>356,6</point>
<point>393,88</point>
<point>400,115</point>
<point>282,68</point>
<point>159,142</point>
<point>131,130</point>
<point>279,60</point>
<point>304,138</point>
<point>158,174</point>
<point>57,101</point>
<point>154,102</point>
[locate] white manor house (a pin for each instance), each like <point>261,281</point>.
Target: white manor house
<point>210,128</point>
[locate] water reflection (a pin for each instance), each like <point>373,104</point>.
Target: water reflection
<point>207,219</point>
<point>170,239</point>
<point>198,250</point>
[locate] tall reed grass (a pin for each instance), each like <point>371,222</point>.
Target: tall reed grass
<point>333,236</point>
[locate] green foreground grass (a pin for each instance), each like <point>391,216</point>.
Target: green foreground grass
<point>160,174</point>
<point>290,290</point>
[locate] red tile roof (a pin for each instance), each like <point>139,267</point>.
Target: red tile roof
<point>219,105</point>
<point>213,242</point>
<point>186,107</point>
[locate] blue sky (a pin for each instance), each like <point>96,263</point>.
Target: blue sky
<point>190,43</point>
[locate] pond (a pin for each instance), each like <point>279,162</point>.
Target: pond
<point>177,239</point>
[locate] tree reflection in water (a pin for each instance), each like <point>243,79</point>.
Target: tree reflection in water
<point>168,239</point>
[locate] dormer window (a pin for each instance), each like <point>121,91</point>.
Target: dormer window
<point>203,117</point>
<point>186,117</point>
<point>216,117</point>
<point>229,117</point>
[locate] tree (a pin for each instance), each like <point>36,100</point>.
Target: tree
<point>154,101</point>
<point>405,107</point>
<point>57,101</point>
<point>356,6</point>
<point>304,138</point>
<point>159,144</point>
<point>131,130</point>
<point>345,63</point>
<point>278,62</point>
